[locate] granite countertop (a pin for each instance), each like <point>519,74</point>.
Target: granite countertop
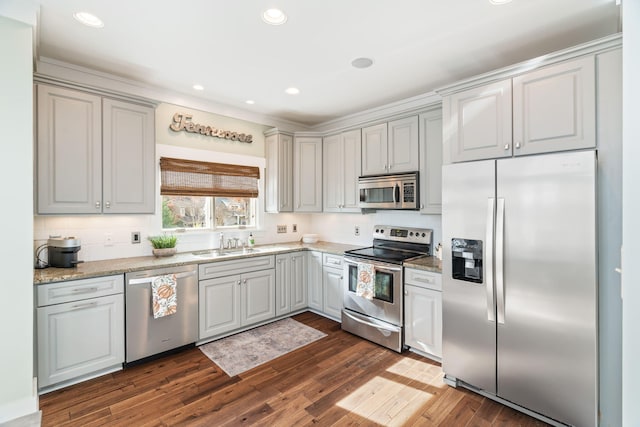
<point>427,263</point>
<point>124,265</point>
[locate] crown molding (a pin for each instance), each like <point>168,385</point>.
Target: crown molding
<point>593,47</point>
<point>62,73</point>
<point>394,110</point>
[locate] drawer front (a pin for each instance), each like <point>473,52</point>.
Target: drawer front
<point>237,266</point>
<point>331,260</point>
<point>77,290</point>
<point>423,279</point>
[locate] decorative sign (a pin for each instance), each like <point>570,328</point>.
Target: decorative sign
<point>183,122</point>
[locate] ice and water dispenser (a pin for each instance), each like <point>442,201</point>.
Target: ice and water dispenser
<point>466,260</point>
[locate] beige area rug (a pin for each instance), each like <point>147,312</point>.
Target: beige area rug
<point>246,350</point>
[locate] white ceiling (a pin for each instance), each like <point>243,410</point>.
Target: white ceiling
<point>416,46</point>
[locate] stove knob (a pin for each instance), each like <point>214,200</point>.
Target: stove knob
<point>411,234</point>
<point>423,234</point>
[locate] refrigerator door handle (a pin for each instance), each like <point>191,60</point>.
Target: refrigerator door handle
<point>489,285</point>
<point>500,259</point>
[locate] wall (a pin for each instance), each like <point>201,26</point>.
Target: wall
<point>630,215</point>
<point>17,393</point>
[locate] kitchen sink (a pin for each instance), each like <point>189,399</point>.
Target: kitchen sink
<point>214,253</point>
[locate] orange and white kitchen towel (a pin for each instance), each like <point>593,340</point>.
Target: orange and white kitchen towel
<point>364,287</point>
<point>164,295</point>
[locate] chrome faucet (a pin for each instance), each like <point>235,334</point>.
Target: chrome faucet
<point>221,242</point>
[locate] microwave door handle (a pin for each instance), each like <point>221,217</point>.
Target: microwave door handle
<point>396,194</point>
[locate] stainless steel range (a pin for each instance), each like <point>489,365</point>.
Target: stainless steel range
<point>373,294</point>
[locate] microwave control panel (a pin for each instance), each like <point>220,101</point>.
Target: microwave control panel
<point>409,192</point>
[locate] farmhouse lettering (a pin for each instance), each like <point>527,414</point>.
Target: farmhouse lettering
<point>183,122</point>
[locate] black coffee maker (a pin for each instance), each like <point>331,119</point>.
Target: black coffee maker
<point>63,251</point>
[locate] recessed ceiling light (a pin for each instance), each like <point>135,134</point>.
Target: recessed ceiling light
<point>274,17</point>
<point>498,2</point>
<point>362,62</point>
<point>292,90</point>
<point>250,101</point>
<point>198,87</point>
<point>88,19</point>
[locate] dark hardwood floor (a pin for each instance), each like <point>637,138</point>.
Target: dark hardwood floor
<point>338,380</point>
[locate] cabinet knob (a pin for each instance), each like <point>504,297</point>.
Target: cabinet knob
<point>244,282</point>
<point>506,146</point>
<point>97,205</point>
<point>107,205</point>
<point>517,145</point>
<point>406,292</point>
<point>239,282</point>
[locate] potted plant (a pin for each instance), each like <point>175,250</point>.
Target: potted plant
<point>163,245</point>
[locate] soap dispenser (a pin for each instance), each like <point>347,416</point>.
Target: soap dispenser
<point>251,240</point>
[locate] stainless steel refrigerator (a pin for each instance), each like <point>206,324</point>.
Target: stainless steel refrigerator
<point>520,282</point>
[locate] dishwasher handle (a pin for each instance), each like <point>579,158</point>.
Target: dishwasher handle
<point>151,279</point>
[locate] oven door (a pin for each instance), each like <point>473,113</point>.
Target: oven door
<point>386,304</point>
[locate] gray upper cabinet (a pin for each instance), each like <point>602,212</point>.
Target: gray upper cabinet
<point>94,155</point>
<point>391,147</point>
<point>279,172</point>
<point>307,173</point>
<point>128,158</point>
<point>544,110</point>
<point>341,169</point>
<point>478,122</point>
<point>554,108</point>
<point>431,162</point>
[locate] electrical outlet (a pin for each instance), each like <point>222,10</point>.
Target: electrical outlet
<point>282,229</point>
<point>108,239</point>
<point>294,228</point>
<point>135,237</point>
<point>357,230</point>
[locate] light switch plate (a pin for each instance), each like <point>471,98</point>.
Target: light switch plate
<point>282,229</point>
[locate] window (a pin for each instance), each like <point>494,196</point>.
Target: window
<point>200,195</point>
<point>197,212</point>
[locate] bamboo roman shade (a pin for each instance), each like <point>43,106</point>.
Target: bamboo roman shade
<point>193,178</point>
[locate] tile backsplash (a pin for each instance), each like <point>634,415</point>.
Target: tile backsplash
<point>109,236</point>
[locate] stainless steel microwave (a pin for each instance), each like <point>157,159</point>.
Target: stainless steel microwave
<point>389,191</point>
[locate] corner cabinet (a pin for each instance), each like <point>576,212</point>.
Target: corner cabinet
<point>314,280</point>
<point>341,160</point>
<point>94,154</point>
<point>391,147</point>
<point>545,110</point>
<point>431,162</point>
<point>279,172</point>
<point>307,174</point>
<point>291,282</point>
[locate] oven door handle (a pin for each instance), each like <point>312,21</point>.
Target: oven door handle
<point>389,269</point>
<point>373,325</point>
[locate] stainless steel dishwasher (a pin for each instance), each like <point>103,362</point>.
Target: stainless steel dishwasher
<point>147,336</point>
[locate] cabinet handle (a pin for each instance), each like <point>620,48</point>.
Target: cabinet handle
<point>506,146</point>
<point>107,205</point>
<point>517,145</point>
<point>423,279</point>
<point>79,306</point>
<point>239,282</point>
<point>97,205</point>
<point>406,292</point>
<point>244,282</point>
<point>84,290</point>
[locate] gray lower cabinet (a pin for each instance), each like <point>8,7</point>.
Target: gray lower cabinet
<point>291,282</point>
<point>324,281</point>
<point>314,280</point>
<point>423,312</point>
<point>332,288</point>
<point>80,329</point>
<point>242,296</point>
